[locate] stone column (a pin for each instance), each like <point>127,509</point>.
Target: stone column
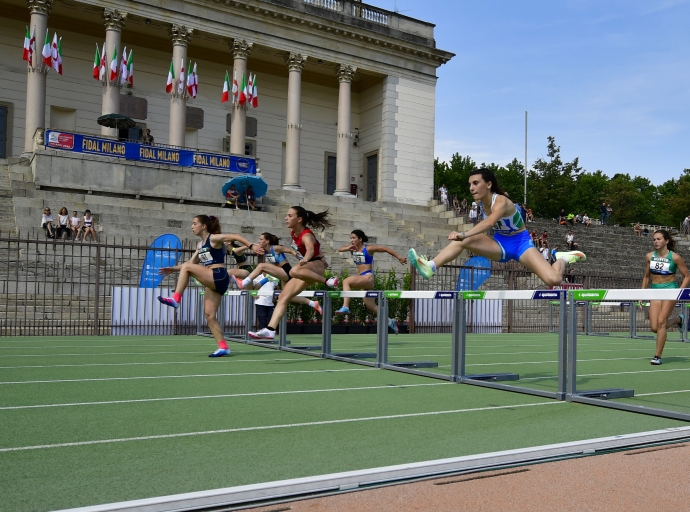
<point>345,74</point>
<point>36,74</point>
<point>114,22</point>
<point>295,63</point>
<point>180,37</point>
<point>240,52</point>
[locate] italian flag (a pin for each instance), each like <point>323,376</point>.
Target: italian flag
<point>130,69</point>
<point>101,71</point>
<point>97,64</point>
<point>26,55</point>
<point>113,65</point>
<point>243,91</point>
<point>235,88</point>
<point>54,53</point>
<point>123,67</point>
<point>32,47</point>
<point>226,89</point>
<point>192,83</point>
<point>255,94</point>
<point>171,77</point>
<point>47,53</point>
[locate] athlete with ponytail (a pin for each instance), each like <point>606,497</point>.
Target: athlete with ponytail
<point>277,266</point>
<point>364,280</point>
<point>660,271</point>
<point>311,267</point>
<point>207,265</point>
<point>511,240</point>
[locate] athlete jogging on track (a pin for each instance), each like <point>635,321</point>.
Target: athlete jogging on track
<point>207,265</point>
<point>661,266</point>
<point>511,240</point>
<point>311,268</point>
<point>277,266</point>
<point>364,280</point>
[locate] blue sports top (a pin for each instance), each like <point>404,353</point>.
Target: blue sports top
<point>275,258</point>
<point>505,225</point>
<point>210,255</point>
<point>362,257</point>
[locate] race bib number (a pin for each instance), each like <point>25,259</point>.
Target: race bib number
<point>270,258</point>
<point>660,266</point>
<point>205,256</point>
<point>358,258</point>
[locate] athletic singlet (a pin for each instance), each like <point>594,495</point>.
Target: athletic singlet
<point>362,257</point>
<point>210,255</point>
<point>662,266</point>
<point>237,259</point>
<point>299,246</point>
<point>275,258</point>
<point>88,222</point>
<point>505,225</point>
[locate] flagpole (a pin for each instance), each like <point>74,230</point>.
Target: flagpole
<point>525,194</point>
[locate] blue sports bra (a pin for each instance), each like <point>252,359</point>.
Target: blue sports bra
<point>210,255</point>
<point>362,257</point>
<point>275,258</point>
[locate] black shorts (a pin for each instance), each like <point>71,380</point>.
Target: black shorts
<point>248,268</point>
<point>287,268</point>
<point>221,278</point>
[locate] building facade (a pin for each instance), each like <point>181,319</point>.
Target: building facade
<point>346,90</point>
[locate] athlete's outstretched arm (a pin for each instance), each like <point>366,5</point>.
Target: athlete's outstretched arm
<point>223,238</point>
<point>345,248</point>
<point>281,249</point>
<point>383,248</point>
<point>502,203</point>
<point>169,270</point>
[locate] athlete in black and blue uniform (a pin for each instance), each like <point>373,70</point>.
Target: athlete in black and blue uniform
<point>362,255</point>
<point>207,265</point>
<point>277,266</point>
<point>510,241</point>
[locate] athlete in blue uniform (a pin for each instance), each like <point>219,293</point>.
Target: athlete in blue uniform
<point>207,265</point>
<point>362,255</point>
<point>660,272</point>
<point>511,240</point>
<point>276,265</point>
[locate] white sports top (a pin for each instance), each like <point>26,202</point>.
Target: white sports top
<point>505,225</point>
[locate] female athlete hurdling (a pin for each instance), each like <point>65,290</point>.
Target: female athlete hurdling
<point>207,265</point>
<point>660,270</point>
<point>511,240</point>
<point>364,280</point>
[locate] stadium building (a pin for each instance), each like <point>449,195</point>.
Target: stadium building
<point>345,96</point>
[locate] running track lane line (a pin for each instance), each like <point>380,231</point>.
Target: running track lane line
<point>271,427</point>
<point>186,376</point>
<point>612,373</point>
<point>236,395</point>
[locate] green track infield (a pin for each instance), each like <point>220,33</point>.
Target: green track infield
<point>94,420</point>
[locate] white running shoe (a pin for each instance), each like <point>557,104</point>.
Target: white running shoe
<point>262,334</point>
<point>656,361</point>
<point>571,256</point>
<point>332,282</point>
<point>421,263</point>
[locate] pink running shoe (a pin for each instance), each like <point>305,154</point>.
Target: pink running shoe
<point>332,282</point>
<point>169,301</point>
<point>238,282</point>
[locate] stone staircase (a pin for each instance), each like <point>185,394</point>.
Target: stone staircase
<point>7,217</point>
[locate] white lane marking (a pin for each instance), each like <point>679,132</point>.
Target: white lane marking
<point>272,427</point>
<point>663,393</point>
<point>233,360</point>
<point>98,354</point>
<point>612,373</point>
<point>183,376</point>
<point>235,395</point>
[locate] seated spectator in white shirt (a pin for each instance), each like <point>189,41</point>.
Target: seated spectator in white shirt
<point>75,225</point>
<point>47,223</point>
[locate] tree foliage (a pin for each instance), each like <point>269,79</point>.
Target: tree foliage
<point>553,185</point>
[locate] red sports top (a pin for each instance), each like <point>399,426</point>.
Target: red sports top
<point>298,245</point>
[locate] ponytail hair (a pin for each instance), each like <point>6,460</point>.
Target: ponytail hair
<point>670,241</point>
<point>211,222</point>
<point>311,219</point>
<point>360,234</point>
<point>272,239</point>
<point>489,176</point>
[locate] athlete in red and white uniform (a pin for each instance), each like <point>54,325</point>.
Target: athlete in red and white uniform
<point>311,267</point>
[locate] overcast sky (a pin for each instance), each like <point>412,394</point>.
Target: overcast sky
<point>610,79</point>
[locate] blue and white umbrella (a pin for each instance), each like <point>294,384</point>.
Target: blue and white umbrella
<point>242,183</point>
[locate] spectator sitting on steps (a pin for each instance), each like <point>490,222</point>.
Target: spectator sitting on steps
<point>586,220</point>
<point>63,223</point>
<point>75,225</point>
<point>463,205</point>
<point>88,227</point>
<point>231,197</point>
<point>570,240</point>
<point>530,215</point>
<point>571,219</point>
<point>544,236</point>
<point>47,223</point>
<point>456,206</point>
<point>578,219</point>
<point>250,197</point>
<point>638,229</point>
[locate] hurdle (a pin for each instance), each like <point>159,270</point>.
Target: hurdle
<point>602,397</point>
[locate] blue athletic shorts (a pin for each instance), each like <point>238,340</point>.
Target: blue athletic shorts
<point>513,246</point>
<point>221,279</point>
<point>366,272</point>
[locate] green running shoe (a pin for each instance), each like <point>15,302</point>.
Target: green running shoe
<point>421,263</point>
<point>571,256</point>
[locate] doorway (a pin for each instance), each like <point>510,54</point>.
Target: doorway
<point>4,111</point>
<point>371,185</point>
<point>330,174</point>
